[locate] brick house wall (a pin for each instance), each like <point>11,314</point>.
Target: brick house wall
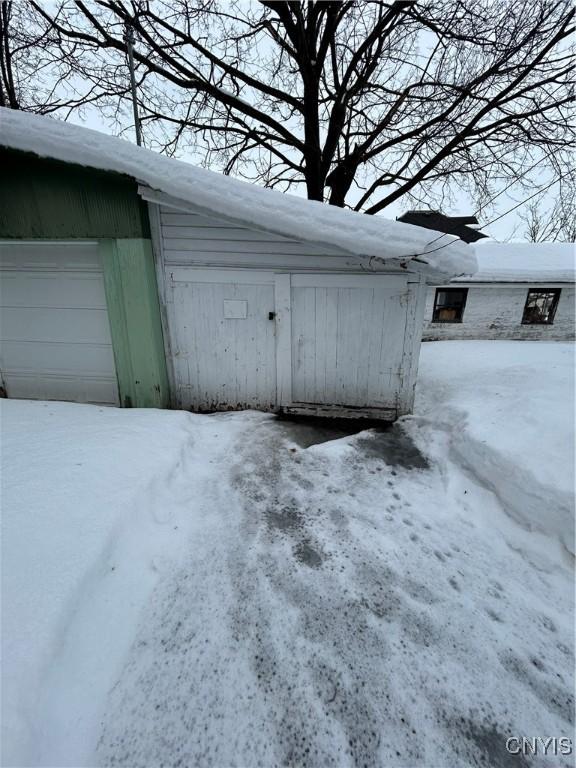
<point>494,311</point>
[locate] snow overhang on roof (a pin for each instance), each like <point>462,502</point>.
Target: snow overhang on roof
<point>374,238</point>
<point>539,263</point>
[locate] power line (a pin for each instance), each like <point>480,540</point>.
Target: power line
<point>501,192</point>
<point>488,224</point>
<point>538,192</point>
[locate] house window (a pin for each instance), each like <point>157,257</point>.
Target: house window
<point>449,305</point>
<point>540,306</point>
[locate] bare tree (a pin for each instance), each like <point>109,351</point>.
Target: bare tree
<point>35,77</point>
<point>549,223</point>
<point>22,60</point>
<point>362,103</point>
<point>8,92</point>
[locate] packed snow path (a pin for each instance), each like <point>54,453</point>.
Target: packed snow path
<point>344,605</point>
<point>228,590</point>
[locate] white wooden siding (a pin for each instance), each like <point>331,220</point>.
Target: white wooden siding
<point>416,303</point>
<point>343,339</point>
<point>347,339</point>
<point>222,362</point>
<point>195,238</point>
<point>494,311</point>
<point>55,339</point>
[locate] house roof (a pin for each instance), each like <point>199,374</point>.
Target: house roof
<point>454,225</point>
<point>524,263</point>
<point>438,255</point>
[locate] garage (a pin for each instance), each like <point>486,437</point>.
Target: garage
<point>133,278</point>
<point>257,319</point>
<point>297,342</point>
<point>55,341</point>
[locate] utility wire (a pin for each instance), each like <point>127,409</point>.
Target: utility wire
<point>538,192</point>
<point>501,192</point>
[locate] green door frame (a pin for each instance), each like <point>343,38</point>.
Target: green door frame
<point>135,324</point>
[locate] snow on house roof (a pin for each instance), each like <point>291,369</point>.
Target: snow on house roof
<point>439,255</point>
<point>523,263</point>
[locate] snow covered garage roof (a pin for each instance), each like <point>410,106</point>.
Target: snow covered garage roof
<point>523,263</point>
<point>439,255</point>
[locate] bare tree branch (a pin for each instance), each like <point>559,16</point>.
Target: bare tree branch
<point>365,103</point>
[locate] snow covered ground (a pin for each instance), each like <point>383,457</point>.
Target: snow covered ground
<point>188,590</point>
<point>509,407</point>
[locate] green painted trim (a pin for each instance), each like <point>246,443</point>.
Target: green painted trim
<point>49,199</point>
<point>117,320</point>
<point>135,325</point>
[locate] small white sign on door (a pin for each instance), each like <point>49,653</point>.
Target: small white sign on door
<point>235,309</point>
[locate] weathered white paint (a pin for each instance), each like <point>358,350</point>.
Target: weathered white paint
<point>283,319</point>
<point>222,362</point>
<point>412,342</point>
<point>347,334</point>
<point>341,340</point>
<point>494,311</point>
<point>55,339</point>
<point>196,237</point>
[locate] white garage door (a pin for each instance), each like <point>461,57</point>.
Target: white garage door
<point>302,342</point>
<point>347,336</point>
<point>223,338</point>
<point>55,339</point>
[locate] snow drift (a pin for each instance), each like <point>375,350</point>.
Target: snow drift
<point>508,407</point>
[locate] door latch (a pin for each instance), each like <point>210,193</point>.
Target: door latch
<point>271,315</point>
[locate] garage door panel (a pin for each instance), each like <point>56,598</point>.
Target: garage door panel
<point>51,256</point>
<point>223,340</point>
<point>30,289</point>
<point>83,326</point>
<point>53,357</point>
<point>58,387</point>
<point>347,339</point>
<point>55,340</point>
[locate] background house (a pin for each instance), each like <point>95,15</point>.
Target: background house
<point>520,291</point>
<point>132,278</point>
